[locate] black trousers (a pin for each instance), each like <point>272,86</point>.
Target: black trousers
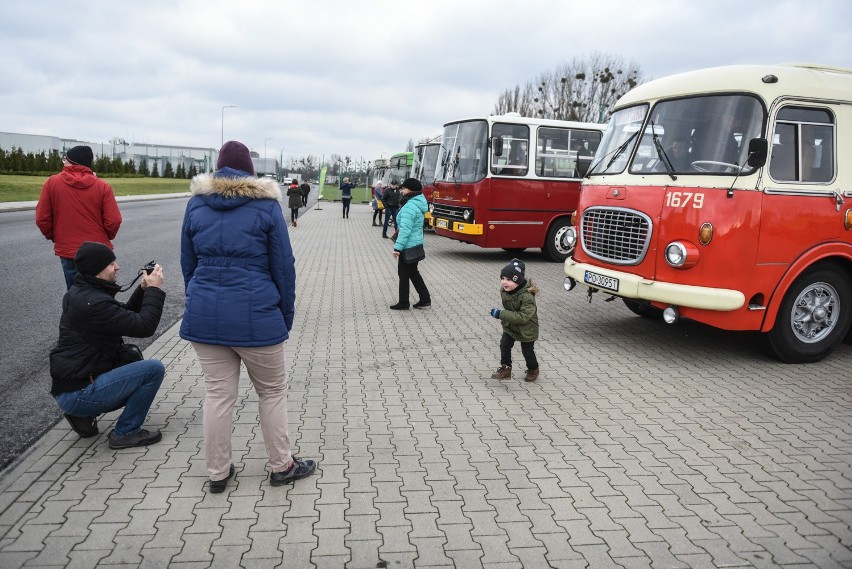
<point>378,212</point>
<point>527,349</point>
<point>408,273</point>
<point>294,213</point>
<point>304,200</point>
<point>346,202</point>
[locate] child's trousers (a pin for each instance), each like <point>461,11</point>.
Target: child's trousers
<point>527,349</point>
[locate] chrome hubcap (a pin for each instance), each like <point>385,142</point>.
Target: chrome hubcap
<point>815,312</point>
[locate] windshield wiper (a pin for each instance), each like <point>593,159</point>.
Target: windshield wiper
<point>664,158</point>
<point>615,154</point>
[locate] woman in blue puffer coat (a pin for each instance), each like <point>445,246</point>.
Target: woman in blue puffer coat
<point>409,224</point>
<point>240,278</point>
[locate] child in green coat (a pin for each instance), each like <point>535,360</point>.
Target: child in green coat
<point>519,317</point>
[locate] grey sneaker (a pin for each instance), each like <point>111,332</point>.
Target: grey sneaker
<point>140,439</point>
<point>300,469</point>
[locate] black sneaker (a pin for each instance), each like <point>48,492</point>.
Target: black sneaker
<point>218,486</point>
<point>140,439</point>
<point>300,469</point>
<point>423,304</point>
<point>84,426</point>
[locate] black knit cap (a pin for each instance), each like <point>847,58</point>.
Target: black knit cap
<point>93,257</point>
<point>412,184</point>
<point>514,271</point>
<point>235,155</point>
<point>81,155</point>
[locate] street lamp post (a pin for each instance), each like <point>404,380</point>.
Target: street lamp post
<point>223,122</point>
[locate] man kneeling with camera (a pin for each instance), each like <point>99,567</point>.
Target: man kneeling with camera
<point>93,370</point>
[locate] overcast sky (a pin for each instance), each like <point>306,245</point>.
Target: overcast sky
<point>354,78</point>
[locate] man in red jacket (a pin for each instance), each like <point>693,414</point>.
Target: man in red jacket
<point>75,206</point>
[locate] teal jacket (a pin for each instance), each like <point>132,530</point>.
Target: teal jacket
<point>409,222</point>
<point>520,314</point>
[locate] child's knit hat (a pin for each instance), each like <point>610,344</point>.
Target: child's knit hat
<point>514,271</point>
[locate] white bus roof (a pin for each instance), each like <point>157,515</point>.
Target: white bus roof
<point>532,121</point>
<point>793,80</point>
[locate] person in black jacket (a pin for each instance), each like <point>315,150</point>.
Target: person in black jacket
<point>391,199</point>
<point>89,363</point>
<point>306,190</point>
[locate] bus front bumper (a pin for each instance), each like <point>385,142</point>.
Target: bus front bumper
<point>631,286</point>
<point>456,226</point>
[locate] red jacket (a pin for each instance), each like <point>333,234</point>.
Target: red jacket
<point>76,206</point>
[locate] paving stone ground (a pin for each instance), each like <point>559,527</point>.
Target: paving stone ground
<point>641,445</point>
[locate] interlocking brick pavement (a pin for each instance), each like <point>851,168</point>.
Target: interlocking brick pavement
<point>641,445</point>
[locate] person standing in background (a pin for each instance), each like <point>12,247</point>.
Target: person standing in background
<point>378,204</point>
<point>294,200</point>
<point>240,277</point>
<point>346,196</point>
<point>391,199</point>
<point>306,189</point>
<point>75,206</point>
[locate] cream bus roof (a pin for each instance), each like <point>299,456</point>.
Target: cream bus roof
<point>793,79</point>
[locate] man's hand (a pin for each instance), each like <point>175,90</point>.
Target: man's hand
<point>495,312</point>
<point>395,254</point>
<point>155,279</point>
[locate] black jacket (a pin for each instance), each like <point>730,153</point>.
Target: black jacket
<point>91,329</point>
<point>391,198</point>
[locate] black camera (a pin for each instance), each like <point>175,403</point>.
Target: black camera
<point>149,268</point>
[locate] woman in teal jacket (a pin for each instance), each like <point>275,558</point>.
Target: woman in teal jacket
<point>409,223</point>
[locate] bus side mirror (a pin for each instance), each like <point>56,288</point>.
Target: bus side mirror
<point>497,145</point>
<point>758,149</point>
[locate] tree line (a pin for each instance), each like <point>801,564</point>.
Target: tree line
<point>16,161</point>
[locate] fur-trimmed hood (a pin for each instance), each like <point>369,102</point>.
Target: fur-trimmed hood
<point>224,192</point>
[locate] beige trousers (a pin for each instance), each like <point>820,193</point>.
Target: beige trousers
<point>268,373</point>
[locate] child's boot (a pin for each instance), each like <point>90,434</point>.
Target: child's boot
<point>532,375</point>
<point>503,372</point>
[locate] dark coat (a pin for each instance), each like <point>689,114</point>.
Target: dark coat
<point>520,314</point>
<point>294,197</point>
<point>237,262</point>
<point>306,189</point>
<point>91,329</point>
<point>391,198</point>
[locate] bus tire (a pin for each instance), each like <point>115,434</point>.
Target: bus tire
<point>814,316</point>
<point>554,245</point>
<point>643,309</point>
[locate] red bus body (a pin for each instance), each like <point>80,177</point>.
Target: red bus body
<point>761,240</point>
<point>511,182</point>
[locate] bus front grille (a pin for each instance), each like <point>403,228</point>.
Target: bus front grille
<point>615,235</point>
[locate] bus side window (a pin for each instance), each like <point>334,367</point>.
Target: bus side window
<point>782,166</point>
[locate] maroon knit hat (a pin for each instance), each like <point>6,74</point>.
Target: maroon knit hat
<point>235,155</point>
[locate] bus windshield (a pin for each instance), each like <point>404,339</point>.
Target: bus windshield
<point>700,135</point>
<point>464,152</point>
<point>618,141</point>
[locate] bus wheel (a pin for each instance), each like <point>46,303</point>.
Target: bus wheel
<point>555,246</point>
<point>814,316</point>
<point>643,309</point>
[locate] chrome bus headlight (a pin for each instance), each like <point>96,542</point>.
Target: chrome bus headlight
<point>571,237</point>
<point>681,254</point>
<point>467,215</point>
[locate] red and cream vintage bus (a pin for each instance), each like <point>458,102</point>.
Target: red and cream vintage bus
<point>512,182</point>
<point>425,165</point>
<point>723,196</point>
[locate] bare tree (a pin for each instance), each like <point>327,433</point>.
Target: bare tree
<point>580,90</point>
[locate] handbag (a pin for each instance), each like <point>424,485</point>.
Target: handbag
<point>413,254</point>
<point>380,204</point>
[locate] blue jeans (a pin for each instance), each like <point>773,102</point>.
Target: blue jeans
<point>132,386</point>
<point>389,211</point>
<point>69,270</point>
